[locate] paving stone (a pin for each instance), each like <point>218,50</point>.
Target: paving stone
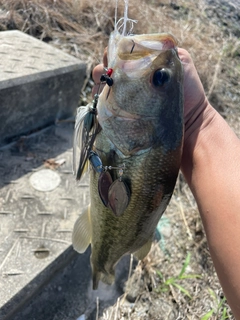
<point>36,223</point>
<point>39,84</point>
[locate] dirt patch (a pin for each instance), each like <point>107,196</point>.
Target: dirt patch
<point>209,30</point>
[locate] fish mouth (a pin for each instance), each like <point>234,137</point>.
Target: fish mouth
<point>138,46</point>
<point>136,54</point>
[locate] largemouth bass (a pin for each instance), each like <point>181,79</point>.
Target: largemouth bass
<point>132,136</point>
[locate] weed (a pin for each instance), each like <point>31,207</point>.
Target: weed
<point>219,306</point>
<point>174,281</point>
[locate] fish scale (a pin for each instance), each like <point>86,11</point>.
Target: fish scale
<point>117,236</point>
<point>140,113</point>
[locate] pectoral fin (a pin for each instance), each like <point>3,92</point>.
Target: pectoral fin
<point>143,251</point>
<point>81,236</point>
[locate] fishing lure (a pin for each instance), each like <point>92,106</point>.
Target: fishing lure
<point>86,129</point>
<point>114,194</point>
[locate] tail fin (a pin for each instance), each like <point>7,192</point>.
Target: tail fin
<point>96,276</point>
<point>107,278</point>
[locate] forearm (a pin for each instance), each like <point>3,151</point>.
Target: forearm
<point>211,166</point>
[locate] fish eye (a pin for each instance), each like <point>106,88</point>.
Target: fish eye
<point>160,77</point>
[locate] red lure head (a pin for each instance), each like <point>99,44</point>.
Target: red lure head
<point>109,72</point>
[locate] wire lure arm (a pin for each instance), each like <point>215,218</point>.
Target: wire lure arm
<point>114,194</point>
<point>86,129</point>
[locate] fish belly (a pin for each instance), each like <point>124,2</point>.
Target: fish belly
<point>150,177</point>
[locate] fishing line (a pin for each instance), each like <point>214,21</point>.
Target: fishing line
<point>116,7</point>
<point>125,17</point>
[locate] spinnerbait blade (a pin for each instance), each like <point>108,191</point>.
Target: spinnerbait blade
<point>118,197</point>
<point>104,183</point>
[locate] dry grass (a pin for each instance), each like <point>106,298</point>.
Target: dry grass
<point>211,34</point>
<point>82,28</point>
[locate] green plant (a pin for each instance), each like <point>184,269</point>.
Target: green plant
<point>218,307</point>
<point>174,281</point>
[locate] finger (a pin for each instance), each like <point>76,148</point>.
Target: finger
<point>97,72</point>
<point>96,75</point>
<point>184,55</point>
<point>105,59</point>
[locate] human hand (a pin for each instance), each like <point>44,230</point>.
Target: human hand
<point>97,72</point>
<point>195,100</point>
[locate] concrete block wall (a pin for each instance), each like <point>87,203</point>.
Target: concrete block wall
<point>38,84</point>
